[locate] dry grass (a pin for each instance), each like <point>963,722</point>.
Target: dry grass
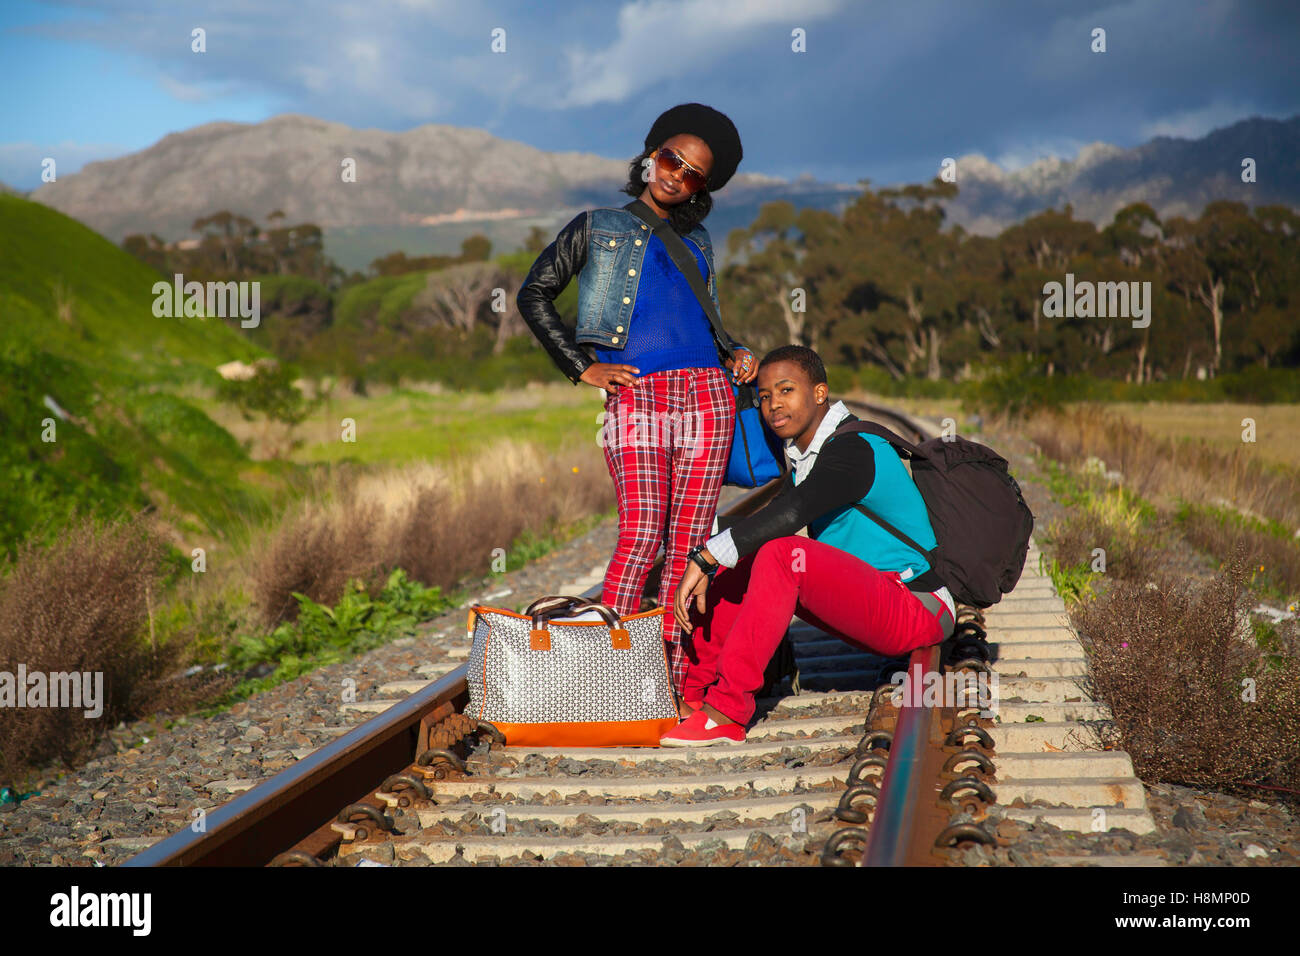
<point>1277,559</point>
<point>440,523</point>
<point>1197,697</point>
<point>1173,666</point>
<point>1164,470</point>
<point>1130,555</point>
<point>1219,424</point>
<point>83,605</point>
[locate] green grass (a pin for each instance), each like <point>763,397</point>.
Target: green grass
<point>322,635</point>
<point>1072,583</point>
<point>1270,582</point>
<point>79,331</point>
<point>108,326</point>
<point>1020,385</point>
<point>1234,519</point>
<point>410,424</point>
<point>1131,516</point>
<point>529,547</point>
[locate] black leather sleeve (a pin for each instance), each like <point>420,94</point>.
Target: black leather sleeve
<point>844,471</point>
<point>559,262</point>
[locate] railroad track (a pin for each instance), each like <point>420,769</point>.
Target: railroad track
<point>850,770</point>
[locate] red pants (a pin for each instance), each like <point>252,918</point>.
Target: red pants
<point>666,439</point>
<point>748,609</point>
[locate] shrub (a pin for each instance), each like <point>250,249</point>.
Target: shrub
<point>83,604</point>
<point>316,553</point>
<point>1195,699</point>
<point>1018,389</point>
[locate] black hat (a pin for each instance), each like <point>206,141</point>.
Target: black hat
<point>709,125</point>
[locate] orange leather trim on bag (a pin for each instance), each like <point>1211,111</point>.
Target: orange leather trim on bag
<point>619,639</point>
<point>539,640</point>
<point>587,733</point>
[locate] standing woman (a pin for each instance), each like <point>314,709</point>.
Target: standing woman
<point>670,412</point>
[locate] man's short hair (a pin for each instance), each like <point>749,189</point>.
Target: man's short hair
<point>800,355</point>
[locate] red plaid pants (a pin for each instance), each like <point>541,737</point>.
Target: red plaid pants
<point>666,440</point>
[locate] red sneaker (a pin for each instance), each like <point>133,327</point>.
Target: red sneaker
<point>699,730</point>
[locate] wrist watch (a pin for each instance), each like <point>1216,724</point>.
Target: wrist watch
<point>703,564</point>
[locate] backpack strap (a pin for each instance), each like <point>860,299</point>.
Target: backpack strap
<point>880,431</point>
<point>903,446</point>
<point>924,552</point>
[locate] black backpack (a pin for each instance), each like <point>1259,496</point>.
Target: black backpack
<point>980,520</point>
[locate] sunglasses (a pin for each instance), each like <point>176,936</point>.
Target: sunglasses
<point>668,161</point>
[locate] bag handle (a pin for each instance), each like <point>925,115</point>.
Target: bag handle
<point>560,605</point>
<point>544,609</point>
<point>548,605</point>
<point>686,265</point>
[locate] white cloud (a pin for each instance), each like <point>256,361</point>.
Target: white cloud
<point>658,39</point>
<point>186,92</point>
<point>309,56</point>
<point>1026,154</point>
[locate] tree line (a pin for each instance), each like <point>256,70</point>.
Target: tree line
<point>884,283</point>
<point>234,247</point>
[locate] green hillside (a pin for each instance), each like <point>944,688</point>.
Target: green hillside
<point>77,327</point>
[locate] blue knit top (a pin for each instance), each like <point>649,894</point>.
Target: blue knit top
<point>668,328</point>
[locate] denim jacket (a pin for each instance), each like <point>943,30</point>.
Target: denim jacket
<point>605,248</point>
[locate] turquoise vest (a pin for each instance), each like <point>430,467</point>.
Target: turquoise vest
<point>895,498</point>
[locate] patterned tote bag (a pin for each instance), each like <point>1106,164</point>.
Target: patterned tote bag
<point>569,672</point>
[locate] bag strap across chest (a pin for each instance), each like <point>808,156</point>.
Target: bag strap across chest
<point>685,263</point>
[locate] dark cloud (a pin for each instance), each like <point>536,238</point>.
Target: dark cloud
<point>885,90</point>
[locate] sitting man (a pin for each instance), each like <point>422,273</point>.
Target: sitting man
<point>849,577</point>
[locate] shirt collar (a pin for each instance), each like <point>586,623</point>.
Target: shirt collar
<point>830,421</point>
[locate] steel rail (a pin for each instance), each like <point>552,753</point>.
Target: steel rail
<point>283,809</point>
<point>891,835</point>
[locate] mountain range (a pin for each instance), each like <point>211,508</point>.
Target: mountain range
<point>425,189</point>
<point>1177,177</point>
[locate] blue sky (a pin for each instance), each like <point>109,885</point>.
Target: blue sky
<point>884,91</point>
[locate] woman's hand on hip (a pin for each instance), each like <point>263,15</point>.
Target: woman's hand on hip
<point>742,366</point>
<point>609,375</point>
<point>693,584</point>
